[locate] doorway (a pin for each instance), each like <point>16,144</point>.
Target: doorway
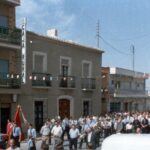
<point>64,108</point>
<point>5,115</point>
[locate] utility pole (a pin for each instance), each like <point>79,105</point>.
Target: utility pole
<point>133,57</point>
<point>97,34</point>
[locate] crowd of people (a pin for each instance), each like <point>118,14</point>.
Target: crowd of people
<point>87,129</point>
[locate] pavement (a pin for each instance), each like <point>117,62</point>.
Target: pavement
<point>24,145</point>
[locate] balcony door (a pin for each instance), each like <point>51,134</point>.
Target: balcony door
<point>64,108</point>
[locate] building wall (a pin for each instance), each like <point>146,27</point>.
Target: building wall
<point>50,96</point>
<point>9,11</point>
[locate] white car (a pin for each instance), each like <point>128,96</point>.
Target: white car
<point>127,142</point>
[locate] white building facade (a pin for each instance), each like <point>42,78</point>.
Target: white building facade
<point>127,90</point>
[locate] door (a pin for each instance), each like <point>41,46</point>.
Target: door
<point>38,113</point>
<point>64,108</point>
<point>5,115</point>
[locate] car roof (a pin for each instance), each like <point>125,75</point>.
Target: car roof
<point>127,142</point>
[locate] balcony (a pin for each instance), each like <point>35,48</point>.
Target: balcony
<point>66,81</point>
<point>10,81</point>
<point>12,2</point>
<point>41,79</point>
<point>128,93</point>
<point>88,83</point>
<point>10,36</point>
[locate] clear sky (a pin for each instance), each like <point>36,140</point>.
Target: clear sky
<point>122,23</point>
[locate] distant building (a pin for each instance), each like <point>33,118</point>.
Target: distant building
<point>126,90</point>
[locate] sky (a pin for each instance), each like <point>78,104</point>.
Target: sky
<point>122,25</point>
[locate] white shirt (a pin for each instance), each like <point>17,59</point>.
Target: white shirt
<point>74,133</point>
<point>89,137</point>
<point>57,131</point>
<point>45,130</point>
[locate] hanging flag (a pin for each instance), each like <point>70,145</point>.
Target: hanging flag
<point>17,120</point>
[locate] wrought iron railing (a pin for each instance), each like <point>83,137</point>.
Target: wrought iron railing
<point>88,83</point>
<point>10,80</point>
<point>12,36</point>
<point>41,79</point>
<point>67,81</point>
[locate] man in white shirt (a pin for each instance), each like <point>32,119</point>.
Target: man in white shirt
<point>57,134</point>
<point>74,134</point>
<point>45,131</point>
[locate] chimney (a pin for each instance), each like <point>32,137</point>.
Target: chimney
<point>52,33</point>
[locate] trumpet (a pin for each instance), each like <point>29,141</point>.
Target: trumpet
<point>83,135</point>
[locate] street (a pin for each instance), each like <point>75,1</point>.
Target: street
<point>24,145</point>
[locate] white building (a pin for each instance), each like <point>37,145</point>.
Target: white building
<point>127,90</point>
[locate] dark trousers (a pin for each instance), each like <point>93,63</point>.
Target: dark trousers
<point>83,140</point>
<point>67,132</point>
<point>73,142</point>
<point>16,139</point>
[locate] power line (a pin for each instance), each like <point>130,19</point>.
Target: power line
<point>114,48</point>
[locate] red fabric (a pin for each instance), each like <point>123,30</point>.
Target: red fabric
<point>17,117</point>
<point>17,120</point>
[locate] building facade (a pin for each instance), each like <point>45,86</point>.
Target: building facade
<point>126,90</point>
<point>62,77</point>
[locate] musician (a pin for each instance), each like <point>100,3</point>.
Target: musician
<point>57,134</point>
<point>74,134</point>
<point>83,134</point>
<point>91,139</point>
<point>65,127</point>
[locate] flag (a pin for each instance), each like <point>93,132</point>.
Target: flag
<point>17,120</point>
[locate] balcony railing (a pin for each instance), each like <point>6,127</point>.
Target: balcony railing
<point>41,79</point>
<point>88,83</point>
<point>67,81</point>
<point>128,92</point>
<point>10,80</point>
<point>10,36</point>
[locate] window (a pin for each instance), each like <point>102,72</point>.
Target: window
<point>4,21</point>
<point>87,108</point>
<point>115,106</point>
<point>65,66</point>
<point>86,69</point>
<point>39,62</point>
<point>4,68</point>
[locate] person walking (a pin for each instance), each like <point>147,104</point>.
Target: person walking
<point>57,136</point>
<point>74,134</point>
<point>31,133</point>
<point>45,132</point>
<point>16,134</point>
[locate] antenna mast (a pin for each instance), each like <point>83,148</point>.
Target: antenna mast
<point>98,34</point>
<point>133,57</point>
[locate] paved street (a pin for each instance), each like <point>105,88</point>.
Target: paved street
<point>38,144</point>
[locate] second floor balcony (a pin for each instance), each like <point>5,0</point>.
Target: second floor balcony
<point>10,80</point>
<point>10,36</point>
<point>128,92</point>
<point>41,79</point>
<point>88,83</point>
<point>66,81</point>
